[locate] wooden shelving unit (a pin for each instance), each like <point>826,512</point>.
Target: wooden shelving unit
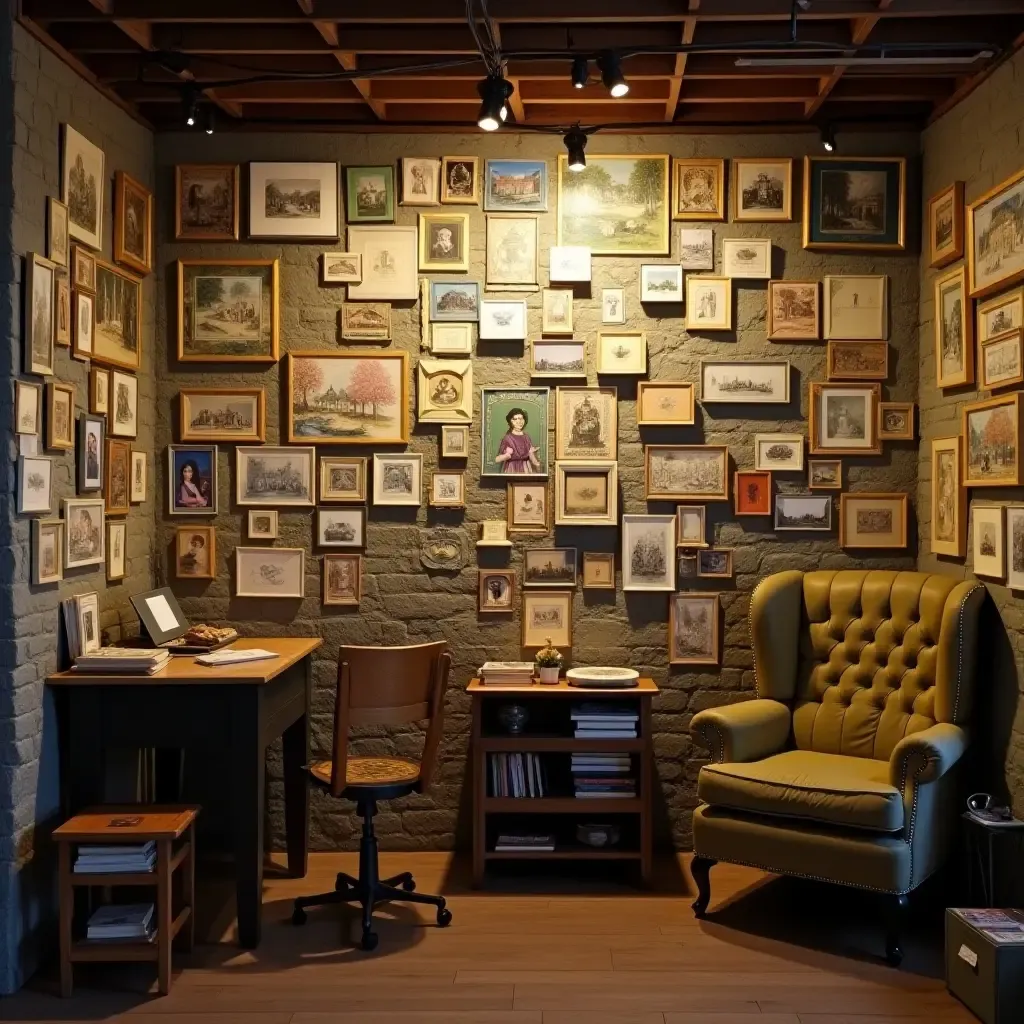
<point>533,814</point>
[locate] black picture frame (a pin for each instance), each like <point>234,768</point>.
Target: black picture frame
<point>83,478</point>
<point>144,607</point>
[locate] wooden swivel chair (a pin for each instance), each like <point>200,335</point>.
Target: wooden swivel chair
<point>381,686</point>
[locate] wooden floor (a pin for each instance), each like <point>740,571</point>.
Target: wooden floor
<point>579,952</point>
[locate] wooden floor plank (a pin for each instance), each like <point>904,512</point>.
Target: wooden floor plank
<point>731,1018</point>
<point>422,1017</point>
<point>589,1017</point>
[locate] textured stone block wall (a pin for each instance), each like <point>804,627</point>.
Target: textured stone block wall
<point>402,602</point>
<point>41,94</point>
<point>979,142</point>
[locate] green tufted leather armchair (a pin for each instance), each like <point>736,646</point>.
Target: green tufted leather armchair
<point>843,768</point>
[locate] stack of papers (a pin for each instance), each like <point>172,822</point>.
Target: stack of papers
<point>506,673</point>
<point>1000,926</point>
<point>116,859</point>
<point>230,657</point>
<point>120,922</point>
<point>133,661</point>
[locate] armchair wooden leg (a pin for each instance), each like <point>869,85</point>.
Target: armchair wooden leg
<point>898,908</point>
<point>700,868</point>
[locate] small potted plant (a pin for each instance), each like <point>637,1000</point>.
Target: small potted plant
<point>549,663</point>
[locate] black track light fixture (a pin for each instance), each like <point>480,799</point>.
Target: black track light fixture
<point>494,93</point>
<point>580,72</point>
<point>576,142</point>
<point>190,105</point>
<point>210,119</point>
<point>828,138</point>
<point>611,74</point>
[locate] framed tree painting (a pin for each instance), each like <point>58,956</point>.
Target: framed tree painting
<point>618,205</point>
<point>995,241</point>
<point>794,313</point>
<point>347,397</point>
<point>206,202</point>
<point>991,433</point>
<point>293,200</point>
<point>227,311</point>
<point>514,431</point>
<point>117,335</point>
<point>855,203</point>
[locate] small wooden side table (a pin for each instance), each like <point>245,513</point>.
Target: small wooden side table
<point>173,831</point>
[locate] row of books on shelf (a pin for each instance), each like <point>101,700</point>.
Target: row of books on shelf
<point>525,843</point>
<point>594,720</point>
<point>598,776</point>
<point>118,859</point>
<point>118,922</point>
<point>518,775</point>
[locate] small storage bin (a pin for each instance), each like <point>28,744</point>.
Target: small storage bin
<point>985,975</point>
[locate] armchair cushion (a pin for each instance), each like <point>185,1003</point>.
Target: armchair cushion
<point>927,755</point>
<point>743,732</point>
<point>853,792</point>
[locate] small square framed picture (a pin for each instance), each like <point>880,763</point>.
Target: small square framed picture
<point>448,489</point>
<point>99,391</point>
<point>398,479</point>
<point>341,527</point>
<point>825,474</point>
<point>528,509</point>
<point>752,492</point>
<point>343,478</point>
<point>262,524</point>
<point>896,421</point>
<point>460,180</point>
<point>782,453</point>
<point>195,549</point>
<point>697,248</point>
<point>613,305</point>
<point>547,618</point>
<point>140,477</point>
<point>117,560</point>
<point>343,579</point>
<point>586,493</point>
<point>665,403</point>
<point>622,352</point>
<point>715,563</point>
<point>341,268</point>
<point>661,282</point>
<point>502,319</point>
<point>496,590</point>
<point>47,551</point>
<point>454,442</point>
<point>598,570</point>
<point>762,189</point>
<point>690,526</point>
<point>873,520</point>
<point>569,264</point>
<point>988,542</point>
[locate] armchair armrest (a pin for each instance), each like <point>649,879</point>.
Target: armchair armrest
<point>927,755</point>
<point>746,731</point>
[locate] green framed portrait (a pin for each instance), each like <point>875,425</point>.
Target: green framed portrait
<point>514,432</point>
<point>617,205</point>
<point>370,194</point>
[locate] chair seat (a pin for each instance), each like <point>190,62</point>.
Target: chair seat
<point>832,788</point>
<point>370,771</point>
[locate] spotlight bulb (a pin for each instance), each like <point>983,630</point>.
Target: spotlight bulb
<point>576,142</point>
<point>580,72</point>
<point>828,139</point>
<point>494,92</point>
<point>190,103</point>
<point>210,121</point>
<point>611,74</point>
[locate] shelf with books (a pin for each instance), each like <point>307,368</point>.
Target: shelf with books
<point>558,744</point>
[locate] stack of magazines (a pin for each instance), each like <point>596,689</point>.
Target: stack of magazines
<point>82,623</point>
<point>1003,927</point>
<point>506,673</point>
<point>116,859</point>
<point>517,775</point>
<point>597,720</point>
<point>116,923</point>
<point>522,843</point>
<point>109,660</point>
<point>596,776</point>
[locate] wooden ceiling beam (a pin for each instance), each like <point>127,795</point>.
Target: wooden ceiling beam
<point>676,81</point>
<point>349,61</point>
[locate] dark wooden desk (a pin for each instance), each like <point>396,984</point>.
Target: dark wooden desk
<point>192,707</point>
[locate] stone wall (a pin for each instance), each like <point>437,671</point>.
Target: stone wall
<point>979,142</point>
<point>402,603</point>
<point>45,94</point>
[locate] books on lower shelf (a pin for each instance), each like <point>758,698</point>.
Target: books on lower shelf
<point>596,776</point>
<point>119,859</point>
<point>518,775</point>
<point>597,720</point>
<point>514,843</point>
<point>121,921</point>
<point>506,673</point>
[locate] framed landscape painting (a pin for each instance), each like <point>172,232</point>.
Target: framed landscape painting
<point>347,398</point>
<point>222,414</point>
<point>1001,360</point>
<point>457,301</point>
<point>549,567</point>
<point>995,237</point>
<point>946,225</point>
<point>227,311</point>
<point>516,186</point>
<point>370,194</point>
<point>293,200</point>
<point>825,475</point>
<point>206,202</point>
<point>762,189</point>
<point>812,512</point>
<point>648,552</point>
<point>618,205</point>
<point>270,476</point>
<point>514,431</point>
<point>747,383</point>
<point>117,336</point>
<point>991,433</point>
<point>794,313</point>
<point>855,203</point>
<point>1000,314</point>
<point>83,187</point>
<point>857,360</point>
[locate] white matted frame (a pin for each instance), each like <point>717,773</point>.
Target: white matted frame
<point>988,540</point>
<point>593,474</point>
<point>503,319</point>
<point>270,572</point>
<point>1015,547</point>
<point>274,212</point>
<point>398,479</point>
<point>389,255</point>
<point>779,452</point>
<point>262,524</point>
<point>742,382</point>
<point>747,259</point>
<point>649,552</point>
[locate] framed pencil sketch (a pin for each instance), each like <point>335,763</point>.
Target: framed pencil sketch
<point>341,527</point>
<point>856,307</point>
<point>824,474</point>
<point>844,419</point>
<point>444,242</point>
<point>805,512</point>
<point>512,252</point>
<point>47,551</point>
<point>873,520</point>
<point>343,478</point>
<point>341,268</point>
<point>661,282</point>
<point>954,331</point>
<point>665,403</point>
<point>117,337</point>
<point>715,563</point>
<point>1001,360</point>
<point>343,583</point>
<point>502,320</point>
<point>40,305</point>
<point>781,453</point>
<point>569,264</point>
<point>296,200</point>
<point>62,311</point>
<point>694,633</point>
<point>28,407</point>
<point>598,570</point>
<point>992,450</point>
<point>1000,314</point>
<point>686,472</point>
<point>896,421</point>
<point>496,590</point>
<point>268,476</point>
<point>83,269</point>
<point>995,255</point>
<point>444,391</point>
<point>556,311</point>
<point>586,423</point>
<point>454,442</point>
<point>794,313</point>
<point>857,360</point>
<point>35,484</point>
<point>421,181</point>
<point>648,552</point>
<point>262,524</point>
<point>547,618</point>
<point>388,257</point>
<point>747,383</point>
<point>762,189</point>
<point>752,492</point>
<point>206,202</point>
<point>945,225</point>
<point>133,224</point>
<point>698,189</point>
<point>140,475</point>
<point>99,391</point>
<point>527,507</point>
<point>60,416</point>
<point>398,479</point>
<point>622,353</point>
<point>613,305</point>
<point>83,187</point>
<point>1015,547</point>
<point>447,489</point>
<point>586,493</point>
<point>84,325</point>
<point>989,540</point>
<point>123,419</point>
<point>855,203</point>
<point>83,532</point>
<point>460,180</point>
<point>58,243</point>
<point>270,572</point>
<point>553,357</point>
<point>365,321</point>
<point>708,303</point>
<point>747,258</point>
<point>697,248</point>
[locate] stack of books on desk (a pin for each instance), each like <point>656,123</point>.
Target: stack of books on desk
<point>506,673</point>
<point>596,776</point>
<point>517,775</point>
<point>120,922</point>
<point>525,844</point>
<point>595,720</point>
<point>116,859</point>
<point>110,660</point>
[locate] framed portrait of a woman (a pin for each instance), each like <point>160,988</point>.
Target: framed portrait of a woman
<point>514,431</point>
<point>192,477</point>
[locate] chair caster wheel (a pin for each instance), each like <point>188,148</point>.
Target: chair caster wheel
<point>894,955</point>
<point>444,917</point>
<point>298,916</point>
<point>369,941</point>
<point>409,885</point>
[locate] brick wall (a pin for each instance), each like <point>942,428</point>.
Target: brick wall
<point>979,142</point>
<point>45,94</point>
<point>402,603</point>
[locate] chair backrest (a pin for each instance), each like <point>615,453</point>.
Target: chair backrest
<point>866,657</point>
<point>390,686</point>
